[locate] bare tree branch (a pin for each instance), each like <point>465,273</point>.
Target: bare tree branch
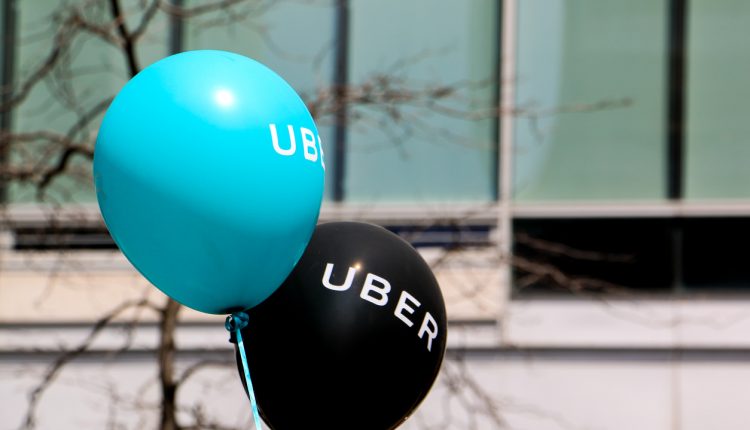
<point>561,249</point>
<point>200,365</point>
<point>69,355</point>
<point>146,19</point>
<point>167,350</point>
<point>562,280</point>
<point>61,41</point>
<point>190,12</point>
<point>128,45</point>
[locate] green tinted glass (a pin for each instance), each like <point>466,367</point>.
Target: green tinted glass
<point>295,39</point>
<point>410,149</point>
<point>717,147</point>
<point>64,107</point>
<point>591,97</point>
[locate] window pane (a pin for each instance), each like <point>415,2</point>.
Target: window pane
<point>411,150</point>
<point>593,255</point>
<point>591,89</point>
<point>715,254</point>
<point>294,39</point>
<point>87,71</point>
<point>718,65</point>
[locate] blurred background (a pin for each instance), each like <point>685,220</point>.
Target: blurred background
<point>575,172</point>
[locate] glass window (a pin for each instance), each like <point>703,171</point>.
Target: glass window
<point>87,71</point>
<point>593,255</point>
<point>718,65</point>
<point>591,92</point>
<point>616,256</point>
<point>715,254</point>
<point>411,150</point>
<point>295,39</point>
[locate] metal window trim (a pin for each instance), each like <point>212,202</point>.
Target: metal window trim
<point>421,214</point>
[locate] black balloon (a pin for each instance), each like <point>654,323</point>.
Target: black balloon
<point>353,339</point>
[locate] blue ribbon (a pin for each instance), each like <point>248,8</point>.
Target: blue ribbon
<point>234,323</point>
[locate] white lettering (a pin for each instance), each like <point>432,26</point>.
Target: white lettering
<point>343,287</point>
<point>376,289</point>
<point>308,143</point>
<point>403,306</point>
<point>275,139</point>
<point>432,332</point>
<point>320,147</point>
<point>370,287</point>
<point>310,151</point>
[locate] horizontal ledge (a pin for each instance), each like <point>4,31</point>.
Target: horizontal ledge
<point>608,353</point>
<point>187,324</point>
<point>87,215</point>
<point>685,354</point>
<point>15,216</point>
<point>634,209</point>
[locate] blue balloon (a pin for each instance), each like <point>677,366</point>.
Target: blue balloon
<point>209,175</point>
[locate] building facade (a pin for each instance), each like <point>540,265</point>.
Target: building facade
<point>575,172</point>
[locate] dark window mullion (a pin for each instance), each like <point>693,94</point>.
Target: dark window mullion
<point>676,79</point>
<point>497,100</point>
<point>176,29</point>
<point>340,82</point>
<point>6,82</point>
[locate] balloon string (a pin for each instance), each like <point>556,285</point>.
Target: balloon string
<point>238,321</point>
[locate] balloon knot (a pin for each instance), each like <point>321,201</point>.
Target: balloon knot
<point>234,322</point>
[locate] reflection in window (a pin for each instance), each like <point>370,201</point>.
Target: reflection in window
<point>415,150</point>
<point>87,73</point>
<point>593,256</point>
<point>718,107</point>
<point>591,93</point>
<point>294,39</point>
<point>715,254</point>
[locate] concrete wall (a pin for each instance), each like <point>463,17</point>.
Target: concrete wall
<point>577,363</point>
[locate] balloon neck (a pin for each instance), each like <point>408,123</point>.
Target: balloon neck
<point>236,321</point>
